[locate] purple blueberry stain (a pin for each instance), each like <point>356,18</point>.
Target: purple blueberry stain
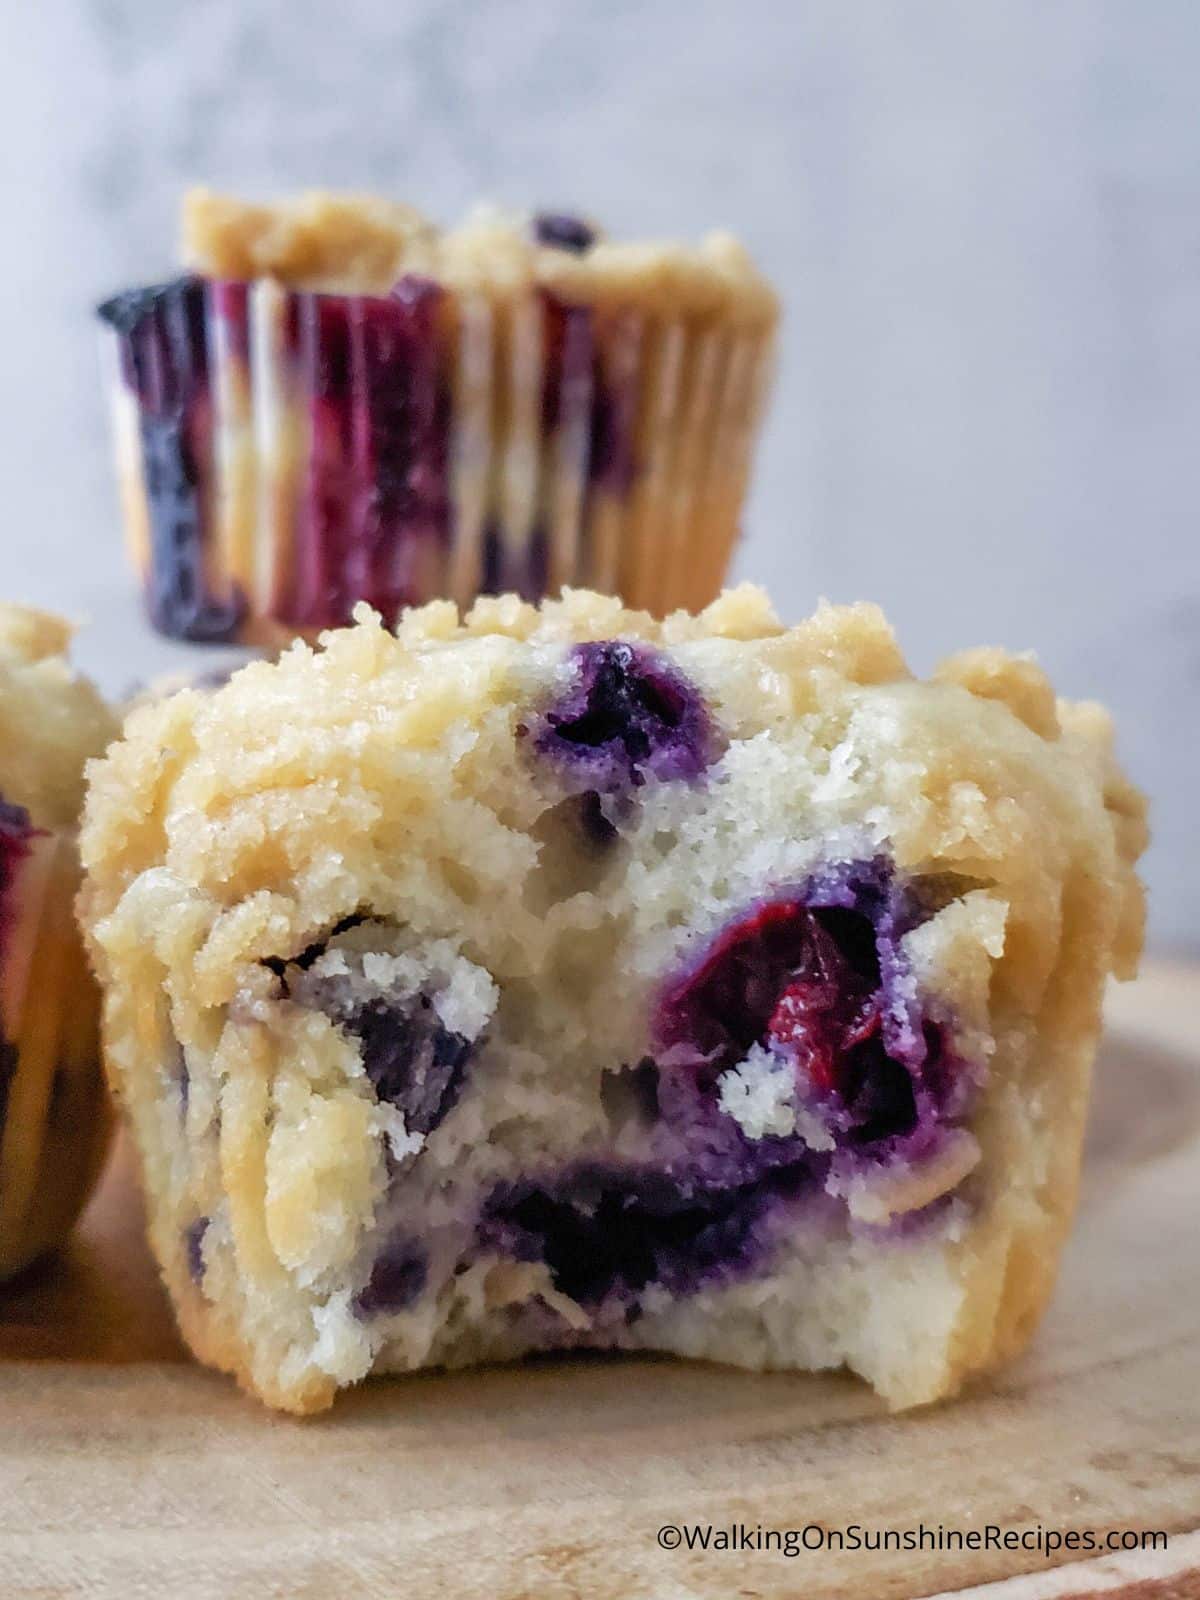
<point>8,1071</point>
<point>193,1247</point>
<point>398,1277</point>
<point>230,303</point>
<point>492,579</point>
<point>589,387</point>
<point>128,312</point>
<point>163,347</point>
<point>607,1231</point>
<point>375,498</point>
<point>16,832</point>
<point>612,465</point>
<point>373,510</point>
<point>626,715</point>
<point>185,1081</point>
<point>569,373</point>
<point>814,974</point>
<point>504,570</point>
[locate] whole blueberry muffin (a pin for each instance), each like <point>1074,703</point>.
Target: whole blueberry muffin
<point>339,402</point>
<point>54,1117</point>
<point>560,978</point>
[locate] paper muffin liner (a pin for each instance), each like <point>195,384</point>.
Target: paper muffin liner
<point>284,454</point>
<point>55,1118</point>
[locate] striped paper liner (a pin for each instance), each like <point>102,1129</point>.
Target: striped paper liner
<point>57,1121</point>
<point>283,455</point>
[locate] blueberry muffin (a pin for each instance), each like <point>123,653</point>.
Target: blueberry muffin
<point>560,978</point>
<point>54,1118</point>
<point>339,402</point>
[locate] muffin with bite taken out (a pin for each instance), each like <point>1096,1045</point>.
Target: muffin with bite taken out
<point>551,978</point>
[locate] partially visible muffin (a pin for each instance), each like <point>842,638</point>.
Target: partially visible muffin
<point>54,1115</point>
<point>341,402</point>
<point>561,978</point>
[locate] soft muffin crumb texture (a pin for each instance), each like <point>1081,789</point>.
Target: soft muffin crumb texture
<point>552,977</point>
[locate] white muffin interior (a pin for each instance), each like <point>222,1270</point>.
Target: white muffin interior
<point>398,995</point>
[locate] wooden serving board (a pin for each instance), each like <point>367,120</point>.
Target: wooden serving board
<point>126,1470</point>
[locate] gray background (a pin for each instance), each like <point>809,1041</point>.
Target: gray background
<point>984,218</point>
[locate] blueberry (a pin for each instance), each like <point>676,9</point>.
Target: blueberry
<point>724,1004</point>
<point>878,1092</point>
<point>176,1066</point>
<point>816,976</point>
<point>605,1231</point>
<point>193,1245</point>
<point>16,829</point>
<point>413,1062</point>
<point>376,491</point>
<point>560,231</point>
<point>398,1277</point>
<point>628,714</point>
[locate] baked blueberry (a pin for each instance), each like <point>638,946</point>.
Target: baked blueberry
<point>816,977</point>
<point>605,1232</point>
<point>625,716</point>
<point>563,232</point>
<point>193,1247</point>
<point>398,1277</point>
<point>394,1005</point>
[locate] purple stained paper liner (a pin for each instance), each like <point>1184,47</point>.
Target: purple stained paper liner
<point>283,455</point>
<point>55,1118</point>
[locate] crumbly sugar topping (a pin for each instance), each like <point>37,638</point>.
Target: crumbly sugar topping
<point>51,719</point>
<point>359,244</point>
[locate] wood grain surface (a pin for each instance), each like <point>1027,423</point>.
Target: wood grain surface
<point>125,1470</point>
